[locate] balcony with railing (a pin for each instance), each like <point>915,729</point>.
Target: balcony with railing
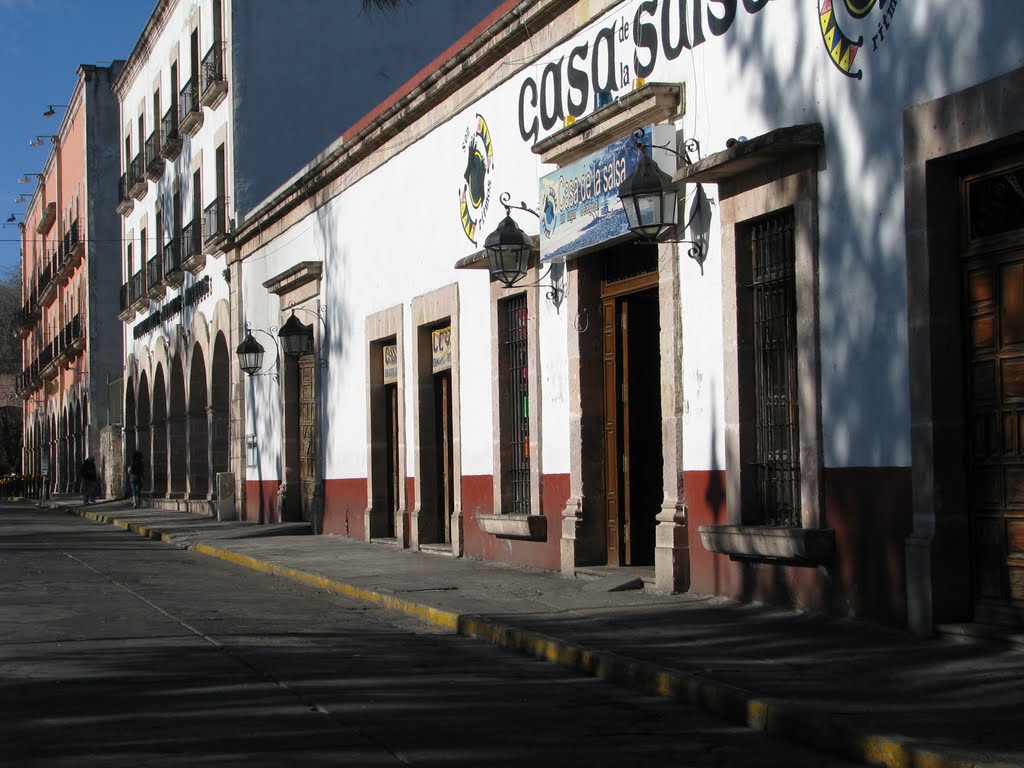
<point>60,274</point>
<point>125,202</point>
<point>190,112</point>
<point>126,313</point>
<point>192,257</point>
<point>73,247</point>
<point>170,140</point>
<point>154,160</point>
<point>139,185</point>
<point>214,80</point>
<point>215,233</point>
<point>137,291</point>
<point>49,361</point>
<point>72,340</point>
<point>47,283</point>
<point>155,276</point>
<point>174,275</point>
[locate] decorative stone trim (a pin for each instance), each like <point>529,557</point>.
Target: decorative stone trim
<point>652,103</point>
<point>763,543</point>
<point>533,527</point>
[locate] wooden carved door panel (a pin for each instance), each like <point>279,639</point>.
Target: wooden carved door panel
<point>613,521</point>
<point>307,433</point>
<point>993,280</point>
<point>391,427</point>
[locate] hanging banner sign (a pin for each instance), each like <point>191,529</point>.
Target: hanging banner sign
<point>441,342</point>
<point>580,208</point>
<point>390,355</point>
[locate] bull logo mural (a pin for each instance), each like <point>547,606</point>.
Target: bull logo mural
<point>475,194</point>
<point>841,46</point>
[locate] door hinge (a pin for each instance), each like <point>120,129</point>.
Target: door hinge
<point>625,463</point>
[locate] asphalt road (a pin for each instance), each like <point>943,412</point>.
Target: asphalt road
<point>121,651</point>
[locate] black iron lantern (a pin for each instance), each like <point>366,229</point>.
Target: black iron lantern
<point>250,355</point>
<point>508,252</point>
<point>296,337</point>
<point>649,199</point>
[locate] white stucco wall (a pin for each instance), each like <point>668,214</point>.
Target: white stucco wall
<point>396,234</point>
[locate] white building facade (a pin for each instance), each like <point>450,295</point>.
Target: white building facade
<point>811,400</point>
<point>213,119</point>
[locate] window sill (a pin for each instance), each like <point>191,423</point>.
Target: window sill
<point>532,527</point>
<point>763,543</point>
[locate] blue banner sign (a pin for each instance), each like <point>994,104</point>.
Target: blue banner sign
<point>580,208</point>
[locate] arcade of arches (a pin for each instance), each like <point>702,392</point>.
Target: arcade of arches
<point>176,415</point>
<point>56,438</point>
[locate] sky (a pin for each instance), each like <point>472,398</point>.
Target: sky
<point>42,43</point>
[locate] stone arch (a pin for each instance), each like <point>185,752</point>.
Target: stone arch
<point>51,451</point>
<point>129,420</point>
<point>177,430</point>
<point>67,479</point>
<point>143,435</point>
<point>198,426</point>
<point>220,405</point>
<point>159,429</point>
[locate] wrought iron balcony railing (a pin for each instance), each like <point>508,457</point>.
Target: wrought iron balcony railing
<point>154,160</point>
<point>170,143</point>
<point>190,113</point>
<point>213,82</point>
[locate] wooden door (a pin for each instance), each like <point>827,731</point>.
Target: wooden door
<point>612,442</point>
<point>993,289</point>
<point>307,433</point>
<point>445,484</point>
<point>995,412</point>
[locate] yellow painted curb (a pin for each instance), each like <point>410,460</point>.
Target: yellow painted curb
<point>769,716</point>
<point>446,619</point>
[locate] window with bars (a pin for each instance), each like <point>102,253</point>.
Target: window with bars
<point>776,439</point>
<point>515,405</point>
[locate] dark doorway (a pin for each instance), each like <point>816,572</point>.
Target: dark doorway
<point>391,457</point>
<point>444,500</point>
<point>632,418</point>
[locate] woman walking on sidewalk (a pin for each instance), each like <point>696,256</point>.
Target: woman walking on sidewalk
<point>88,473</point>
<point>136,471</point>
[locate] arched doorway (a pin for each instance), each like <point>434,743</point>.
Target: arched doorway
<point>66,478</point>
<point>159,421</point>
<point>129,425</point>
<point>177,427</point>
<point>198,428</point>
<point>143,436</point>
<point>220,399</point>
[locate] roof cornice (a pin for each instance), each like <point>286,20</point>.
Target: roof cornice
<point>143,46</point>
<point>438,81</point>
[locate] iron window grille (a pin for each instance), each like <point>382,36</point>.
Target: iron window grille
<point>776,421</point>
<point>517,402</point>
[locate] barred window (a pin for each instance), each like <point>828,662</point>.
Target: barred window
<point>776,422</point>
<point>515,405</point>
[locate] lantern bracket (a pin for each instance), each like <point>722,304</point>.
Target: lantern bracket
<point>319,312</point>
<point>691,154</point>
<point>272,371</point>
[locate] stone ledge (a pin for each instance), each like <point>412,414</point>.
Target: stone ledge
<point>765,543</point>
<point>533,527</point>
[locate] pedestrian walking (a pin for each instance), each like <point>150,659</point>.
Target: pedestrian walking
<point>88,472</point>
<point>136,471</point>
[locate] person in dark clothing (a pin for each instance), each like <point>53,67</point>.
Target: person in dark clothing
<point>136,471</point>
<point>88,472</point>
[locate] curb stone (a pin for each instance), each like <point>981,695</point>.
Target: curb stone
<point>777,717</point>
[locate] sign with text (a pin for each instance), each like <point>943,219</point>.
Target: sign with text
<point>580,208</point>
<point>441,343</point>
<point>390,355</point>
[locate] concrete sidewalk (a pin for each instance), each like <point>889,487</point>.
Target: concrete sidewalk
<point>852,689</point>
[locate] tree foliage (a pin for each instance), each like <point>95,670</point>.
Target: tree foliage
<point>10,313</point>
